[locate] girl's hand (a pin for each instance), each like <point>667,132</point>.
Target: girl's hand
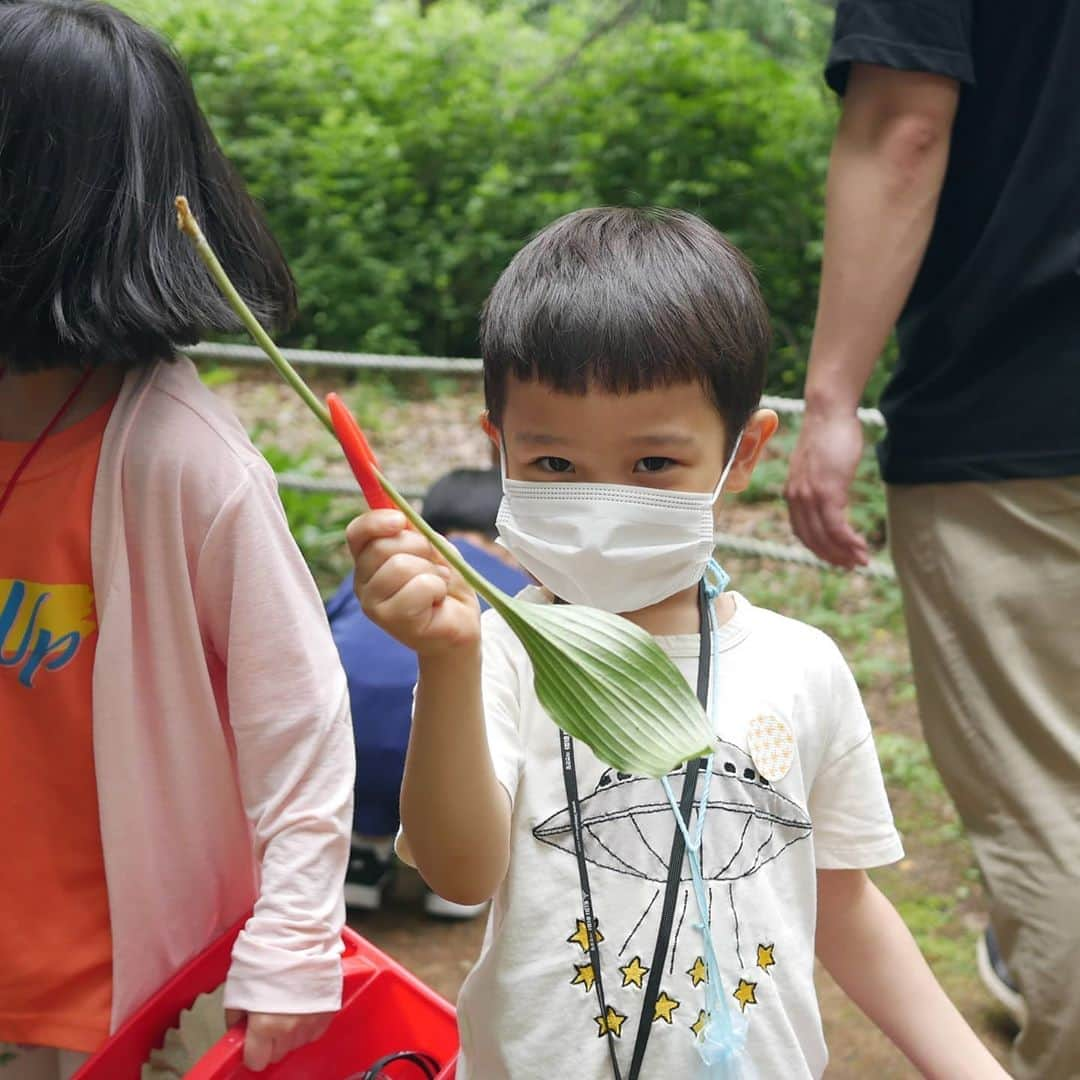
<point>270,1036</point>
<point>407,589</point>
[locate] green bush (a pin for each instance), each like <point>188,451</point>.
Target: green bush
<point>402,160</point>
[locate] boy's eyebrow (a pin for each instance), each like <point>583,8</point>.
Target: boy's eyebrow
<point>663,438</point>
<point>659,438</point>
<point>540,438</point>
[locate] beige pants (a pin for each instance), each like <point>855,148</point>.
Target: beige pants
<point>991,582</point>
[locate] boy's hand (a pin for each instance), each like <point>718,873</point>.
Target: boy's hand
<point>270,1036</point>
<point>406,588</point>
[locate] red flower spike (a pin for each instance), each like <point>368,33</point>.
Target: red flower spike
<point>358,454</point>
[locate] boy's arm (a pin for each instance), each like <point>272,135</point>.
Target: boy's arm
<point>864,944</point>
<point>454,811</point>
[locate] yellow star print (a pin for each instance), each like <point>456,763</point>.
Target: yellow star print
<point>612,1021</point>
<point>665,1006</point>
<point>633,973</point>
<point>698,1026</point>
<point>698,972</point>
<point>581,936</point>
<point>765,958</point>
<point>585,976</point>
<point>745,994</point>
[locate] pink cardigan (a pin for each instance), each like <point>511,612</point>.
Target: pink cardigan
<point>222,742</point>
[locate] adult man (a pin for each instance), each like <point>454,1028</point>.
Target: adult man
<point>953,209</point>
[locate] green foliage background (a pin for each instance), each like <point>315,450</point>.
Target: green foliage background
<point>403,158</point>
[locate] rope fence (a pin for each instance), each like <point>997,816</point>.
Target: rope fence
<point>745,546</point>
<point>428,365</point>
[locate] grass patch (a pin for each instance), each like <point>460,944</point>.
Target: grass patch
<point>217,375</point>
<point>934,921</point>
<point>863,615</point>
<point>905,763</point>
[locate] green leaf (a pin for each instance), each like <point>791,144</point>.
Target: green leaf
<point>605,681</point>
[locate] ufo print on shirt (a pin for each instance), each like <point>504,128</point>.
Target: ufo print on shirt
<point>627,829</point>
<point>627,822</point>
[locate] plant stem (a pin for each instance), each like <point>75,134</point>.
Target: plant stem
<point>190,227</point>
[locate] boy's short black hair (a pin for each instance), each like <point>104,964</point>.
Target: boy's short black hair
<point>629,299</point>
<point>465,500</point>
<point>99,131</point>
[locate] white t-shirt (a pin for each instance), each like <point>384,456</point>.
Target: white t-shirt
<point>529,1007</point>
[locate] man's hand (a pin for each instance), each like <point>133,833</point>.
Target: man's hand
<point>819,483</point>
<point>270,1036</point>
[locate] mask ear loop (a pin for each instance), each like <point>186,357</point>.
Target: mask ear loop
<point>504,468</point>
<point>504,471</point>
<point>728,467</point>
<point>717,578</point>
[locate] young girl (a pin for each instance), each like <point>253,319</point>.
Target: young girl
<point>174,747</point>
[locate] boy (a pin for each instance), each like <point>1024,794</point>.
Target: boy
<point>624,355</point>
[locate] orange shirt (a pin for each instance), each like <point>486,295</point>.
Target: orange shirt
<point>55,941</point>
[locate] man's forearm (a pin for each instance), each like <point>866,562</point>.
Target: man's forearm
<point>885,175</point>
<point>454,812</point>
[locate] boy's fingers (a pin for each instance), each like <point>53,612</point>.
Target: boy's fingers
<point>371,526</point>
<point>394,576</point>
<point>413,602</point>
<point>376,553</point>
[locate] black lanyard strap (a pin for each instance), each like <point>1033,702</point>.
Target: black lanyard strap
<point>675,862</point>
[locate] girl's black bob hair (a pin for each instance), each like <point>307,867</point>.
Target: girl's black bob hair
<point>99,131</point>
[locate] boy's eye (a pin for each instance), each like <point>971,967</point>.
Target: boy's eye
<point>554,464</point>
<point>654,464</point>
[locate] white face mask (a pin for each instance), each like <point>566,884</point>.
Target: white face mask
<point>619,547</point>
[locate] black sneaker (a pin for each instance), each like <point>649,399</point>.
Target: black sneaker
<point>371,865</point>
<point>997,978</point>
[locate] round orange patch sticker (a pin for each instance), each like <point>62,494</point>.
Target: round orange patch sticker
<point>772,746</point>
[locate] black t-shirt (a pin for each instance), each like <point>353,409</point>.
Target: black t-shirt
<point>988,384</point>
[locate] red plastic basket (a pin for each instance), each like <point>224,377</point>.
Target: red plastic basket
<point>384,1009</point>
